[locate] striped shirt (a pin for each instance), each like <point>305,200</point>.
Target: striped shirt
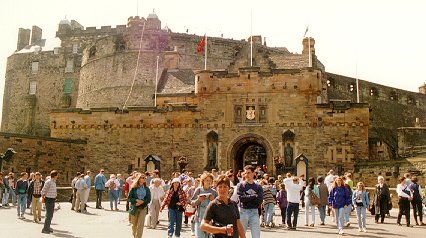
<point>49,189</point>
<point>37,187</point>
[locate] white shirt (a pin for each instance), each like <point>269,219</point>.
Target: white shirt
<point>293,190</point>
<point>399,190</point>
<point>329,179</point>
<point>156,192</point>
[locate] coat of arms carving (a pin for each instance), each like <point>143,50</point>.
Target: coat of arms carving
<point>250,113</point>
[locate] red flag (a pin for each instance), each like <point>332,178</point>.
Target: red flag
<point>201,45</point>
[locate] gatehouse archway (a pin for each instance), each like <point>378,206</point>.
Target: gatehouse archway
<point>250,149</point>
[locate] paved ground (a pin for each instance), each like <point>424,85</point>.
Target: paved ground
<point>104,223</point>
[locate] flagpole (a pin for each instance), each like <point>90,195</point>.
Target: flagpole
<point>251,39</point>
<point>205,55</point>
<point>156,83</point>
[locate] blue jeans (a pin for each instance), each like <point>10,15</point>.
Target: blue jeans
<point>339,216</point>
<point>199,233</point>
<point>292,208</point>
<point>113,198</point>
<point>11,193</point>
<point>348,211</point>
<point>175,217</point>
<point>250,217</point>
<point>269,213</point>
<point>360,216</point>
<point>22,204</point>
<point>321,210</point>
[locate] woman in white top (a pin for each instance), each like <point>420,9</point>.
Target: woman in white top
<point>405,196</point>
<point>311,188</point>
<point>157,196</point>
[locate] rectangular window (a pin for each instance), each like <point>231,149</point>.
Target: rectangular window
<point>33,87</point>
<point>67,87</point>
<point>34,67</point>
<point>75,48</point>
<point>70,66</point>
<point>56,50</point>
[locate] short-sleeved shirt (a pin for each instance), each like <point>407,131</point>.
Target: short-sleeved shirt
<point>221,215</point>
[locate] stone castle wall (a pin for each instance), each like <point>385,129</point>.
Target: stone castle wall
<point>44,154</point>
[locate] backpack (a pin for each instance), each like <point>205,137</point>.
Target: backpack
<point>112,185</point>
<point>313,198</point>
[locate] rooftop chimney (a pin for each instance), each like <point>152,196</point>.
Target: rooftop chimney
<point>36,34</point>
<point>23,38</point>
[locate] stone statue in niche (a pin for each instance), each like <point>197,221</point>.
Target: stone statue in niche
<point>288,155</point>
<point>212,155</point>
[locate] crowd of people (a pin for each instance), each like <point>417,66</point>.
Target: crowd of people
<point>224,203</point>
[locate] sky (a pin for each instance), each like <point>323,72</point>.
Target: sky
<point>380,41</point>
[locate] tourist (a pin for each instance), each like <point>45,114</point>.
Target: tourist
<point>126,188</point>
<point>112,184</point>
<point>4,185</point>
<point>29,200</point>
<point>323,192</point>
<point>417,200</point>
<point>328,181</point>
<point>139,198</point>
<point>268,204</point>
<point>21,193</point>
<point>405,196</point>
<point>407,177</point>
<point>121,186</point>
<point>99,183</point>
<point>293,186</point>
<point>250,196</point>
<point>381,199</point>
<point>201,198</point>
<point>176,202</point>
<point>34,189</point>
<point>148,177</point>
<point>190,194</point>
<point>156,174</point>
<point>81,187</point>
<point>339,199</point>
<point>157,196</point>
<point>74,190</point>
<point>361,201</point>
<point>282,202</point>
<point>348,185</point>
<point>309,204</point>
<point>186,188</point>
<point>222,212</point>
<point>88,181</point>
<point>215,174</point>
<point>11,191</point>
<point>49,193</point>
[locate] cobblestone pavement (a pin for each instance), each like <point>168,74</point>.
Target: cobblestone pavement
<point>105,223</point>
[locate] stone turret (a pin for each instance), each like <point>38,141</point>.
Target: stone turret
<point>135,21</point>
<point>23,38</point>
<point>152,22</point>
<point>422,89</point>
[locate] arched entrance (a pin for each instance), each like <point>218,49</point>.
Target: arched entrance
<point>250,149</point>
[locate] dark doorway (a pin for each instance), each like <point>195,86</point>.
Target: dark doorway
<point>250,153</point>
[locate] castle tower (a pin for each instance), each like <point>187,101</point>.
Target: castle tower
<point>422,89</point>
<point>152,22</point>
<point>36,34</point>
<point>133,22</point>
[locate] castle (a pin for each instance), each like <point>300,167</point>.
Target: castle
<point>137,96</point>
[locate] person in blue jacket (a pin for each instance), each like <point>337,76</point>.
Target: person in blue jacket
<point>100,181</point>
<point>339,199</point>
<point>361,201</point>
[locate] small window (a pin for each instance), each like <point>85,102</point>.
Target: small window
<point>374,92</point>
<point>67,87</point>
<point>75,48</point>
<point>69,67</point>
<point>352,87</point>
<point>34,67</point>
<point>33,87</point>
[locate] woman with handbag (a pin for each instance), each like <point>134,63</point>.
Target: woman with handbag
<point>360,201</point>
<point>202,197</point>
<point>311,200</point>
<point>139,197</point>
<point>405,196</point>
<point>176,202</point>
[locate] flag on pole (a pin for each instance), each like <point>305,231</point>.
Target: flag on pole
<point>201,45</point>
<point>306,31</point>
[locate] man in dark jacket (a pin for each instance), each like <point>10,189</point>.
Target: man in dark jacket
<point>323,192</point>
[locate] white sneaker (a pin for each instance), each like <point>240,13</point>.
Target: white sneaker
<point>364,230</point>
<point>341,232</point>
<point>359,229</point>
